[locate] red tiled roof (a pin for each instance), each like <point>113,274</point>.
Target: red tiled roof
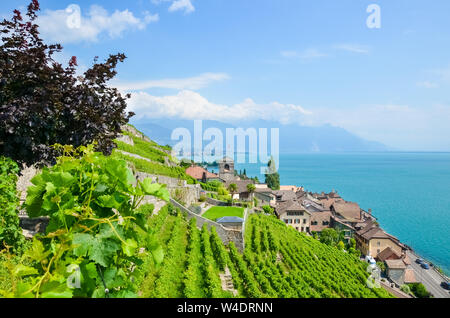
<point>197,172</point>
<point>387,253</point>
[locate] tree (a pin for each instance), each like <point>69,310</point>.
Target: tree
<point>251,188</point>
<point>340,245</point>
<point>233,189</point>
<point>272,176</point>
<point>268,209</point>
<point>329,236</point>
<point>43,103</point>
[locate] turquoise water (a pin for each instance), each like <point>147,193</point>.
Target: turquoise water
<point>409,193</point>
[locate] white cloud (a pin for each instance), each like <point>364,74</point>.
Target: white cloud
<point>62,26</point>
<point>399,126</point>
<point>178,5</point>
<point>354,48</point>
<point>427,84</point>
<point>191,105</point>
<point>307,54</point>
<point>192,83</point>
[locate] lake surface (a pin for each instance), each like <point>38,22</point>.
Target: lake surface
<point>409,193</point>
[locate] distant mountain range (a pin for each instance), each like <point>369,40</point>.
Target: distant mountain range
<point>293,138</point>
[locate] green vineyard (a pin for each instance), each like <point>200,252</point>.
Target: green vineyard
<point>277,262</point>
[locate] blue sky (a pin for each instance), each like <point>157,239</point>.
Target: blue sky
<point>290,61</point>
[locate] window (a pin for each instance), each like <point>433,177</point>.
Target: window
<point>285,221</point>
<point>303,229</point>
<point>304,221</point>
<point>314,223</point>
<point>378,243</point>
<point>325,223</point>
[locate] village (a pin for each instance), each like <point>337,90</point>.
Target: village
<point>311,214</point>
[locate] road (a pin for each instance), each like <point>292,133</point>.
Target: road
<point>429,277</point>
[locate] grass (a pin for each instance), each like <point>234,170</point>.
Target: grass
<point>220,211</point>
<point>155,168</point>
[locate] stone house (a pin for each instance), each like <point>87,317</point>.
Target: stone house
<point>372,240</point>
<point>295,215</point>
<point>242,191</point>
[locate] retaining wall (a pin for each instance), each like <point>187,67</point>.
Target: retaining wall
<point>226,235</point>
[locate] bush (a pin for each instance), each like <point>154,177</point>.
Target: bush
<point>405,288</point>
<point>268,209</point>
<point>92,204</point>
<point>42,103</point>
<point>222,191</point>
<point>10,231</point>
<point>419,290</point>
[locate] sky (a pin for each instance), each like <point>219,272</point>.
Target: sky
<point>289,61</point>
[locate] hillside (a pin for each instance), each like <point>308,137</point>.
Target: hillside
<point>176,258</point>
<point>277,261</point>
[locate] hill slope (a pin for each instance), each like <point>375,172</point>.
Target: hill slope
<point>277,262</point>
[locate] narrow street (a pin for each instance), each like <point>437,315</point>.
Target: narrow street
<point>429,277</point>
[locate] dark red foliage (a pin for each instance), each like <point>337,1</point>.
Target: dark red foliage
<point>43,103</point>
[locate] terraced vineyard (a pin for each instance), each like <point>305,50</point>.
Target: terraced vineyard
<point>277,262</point>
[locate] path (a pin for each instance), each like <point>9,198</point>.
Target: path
<point>429,277</point>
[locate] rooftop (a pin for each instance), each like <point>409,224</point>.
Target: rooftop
<point>395,264</point>
<point>197,172</point>
<point>230,219</point>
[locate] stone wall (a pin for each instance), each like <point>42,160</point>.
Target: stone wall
<point>226,235</point>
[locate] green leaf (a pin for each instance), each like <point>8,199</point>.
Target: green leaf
<point>37,251</point>
<point>83,243</point>
<point>157,253</point>
<point>23,270</point>
<point>129,247</point>
<point>108,201</point>
<point>155,189</point>
<point>103,251</point>
<point>56,289</point>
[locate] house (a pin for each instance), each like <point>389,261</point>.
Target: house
<point>395,270</point>
<point>320,221</point>
<point>290,188</point>
<point>265,196</point>
<point>348,212</point>
<point>284,195</point>
<point>200,174</point>
<point>327,199</point>
<point>294,214</point>
<point>242,192</point>
<point>231,222</point>
<point>372,240</point>
<point>388,254</point>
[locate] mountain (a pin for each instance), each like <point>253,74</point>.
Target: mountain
<point>293,138</point>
